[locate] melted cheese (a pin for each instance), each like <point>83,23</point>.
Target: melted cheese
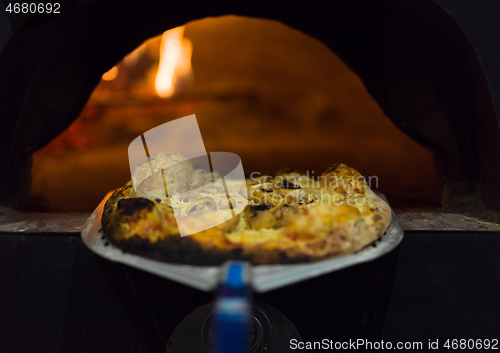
<point>337,198</point>
<point>255,237</point>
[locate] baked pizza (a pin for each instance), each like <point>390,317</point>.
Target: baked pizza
<point>287,217</point>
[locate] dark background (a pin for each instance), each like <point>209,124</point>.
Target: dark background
<point>58,296</point>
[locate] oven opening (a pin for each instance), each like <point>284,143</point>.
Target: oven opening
<point>406,92</point>
<point>265,91</point>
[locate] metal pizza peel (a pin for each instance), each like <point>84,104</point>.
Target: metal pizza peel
<point>263,278</point>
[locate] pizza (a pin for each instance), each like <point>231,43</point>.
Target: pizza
<point>287,217</point>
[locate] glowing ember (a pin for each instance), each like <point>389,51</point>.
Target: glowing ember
<point>174,70</point>
<point>111,74</point>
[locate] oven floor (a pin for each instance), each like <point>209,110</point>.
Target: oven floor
<point>58,296</point>
<point>47,222</point>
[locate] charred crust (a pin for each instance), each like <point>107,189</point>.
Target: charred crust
<point>181,250</point>
<point>284,258</point>
<point>237,252</point>
<point>332,168</point>
<point>130,206</point>
<point>185,250</point>
<point>283,255</point>
<point>125,202</point>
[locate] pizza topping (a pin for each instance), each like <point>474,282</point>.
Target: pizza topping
<point>293,194</point>
<point>201,206</point>
<point>285,213</point>
<point>258,191</point>
<point>259,208</point>
<point>191,195</point>
<point>343,180</point>
<point>262,220</point>
<point>213,189</point>
<point>199,178</point>
<point>225,203</point>
<point>258,237</point>
<point>309,201</point>
<point>172,169</point>
<point>175,187</point>
<point>243,192</point>
<point>289,184</point>
<point>319,220</point>
<point>228,225</point>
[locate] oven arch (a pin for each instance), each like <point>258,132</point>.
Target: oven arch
<point>412,57</point>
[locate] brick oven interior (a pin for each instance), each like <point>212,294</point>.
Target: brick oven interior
<point>269,93</point>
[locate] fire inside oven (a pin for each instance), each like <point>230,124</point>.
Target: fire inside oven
<point>267,92</point>
<point>406,102</point>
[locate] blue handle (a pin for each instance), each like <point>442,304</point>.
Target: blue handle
<point>232,311</point>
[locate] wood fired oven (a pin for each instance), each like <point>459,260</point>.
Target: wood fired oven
<point>425,75</point>
<point>429,64</point>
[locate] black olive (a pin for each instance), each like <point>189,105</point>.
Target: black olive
<point>261,208</point>
<point>287,185</point>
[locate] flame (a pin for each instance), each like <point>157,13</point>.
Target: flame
<point>174,69</point>
<point>111,74</point>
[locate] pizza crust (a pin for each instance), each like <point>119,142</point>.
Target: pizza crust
<point>148,227</point>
